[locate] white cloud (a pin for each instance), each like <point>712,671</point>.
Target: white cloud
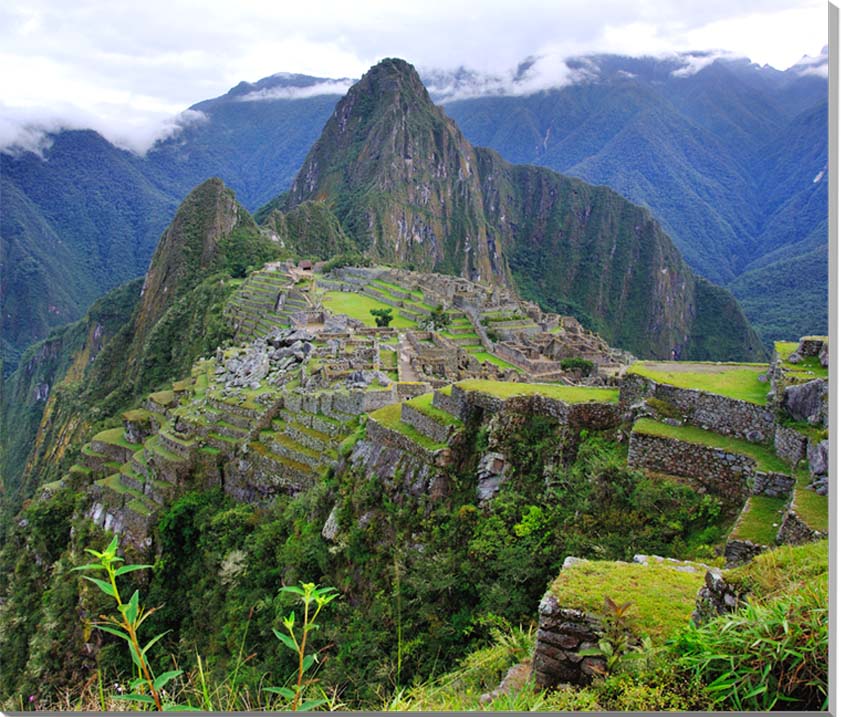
<point>30,129</point>
<point>329,87</point>
<point>695,62</point>
<point>128,67</point>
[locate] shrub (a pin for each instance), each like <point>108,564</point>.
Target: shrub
<point>764,654</point>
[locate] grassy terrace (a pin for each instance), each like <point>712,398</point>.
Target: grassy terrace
<point>567,394</point>
<point>810,364</point>
<point>766,459</point>
<point>137,415</point>
<point>389,416</point>
<point>423,403</point>
<point>358,306</point>
<point>812,508</point>
<point>739,381</point>
<point>486,357</point>
<point>663,598</point>
<point>162,398</point>
<point>114,437</point>
<point>761,520</point>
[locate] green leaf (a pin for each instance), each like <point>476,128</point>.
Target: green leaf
<point>107,588</point>
<point>131,608</point>
<point>282,691</point>
<point>130,569</point>
<point>134,656</point>
<point>286,640</point>
<point>145,699</point>
<point>111,550</point>
<point>162,679</point>
<point>114,631</point>
<point>153,641</point>
<point>310,705</point>
<point>308,662</point>
<point>294,589</point>
<point>90,566</point>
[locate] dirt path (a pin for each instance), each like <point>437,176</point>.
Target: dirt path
<point>405,372</point>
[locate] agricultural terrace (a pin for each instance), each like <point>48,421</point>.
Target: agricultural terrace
<point>734,380</point>
<point>567,394</point>
<point>358,306</point>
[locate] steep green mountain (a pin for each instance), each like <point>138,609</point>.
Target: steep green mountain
<point>133,340</point>
<point>50,372</point>
<point>74,224</point>
<point>723,157</point>
<point>407,187</point>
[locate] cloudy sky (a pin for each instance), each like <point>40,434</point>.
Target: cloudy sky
<point>128,68</point>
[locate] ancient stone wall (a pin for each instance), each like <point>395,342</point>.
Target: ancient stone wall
<point>728,416</point>
<point>790,445</point>
<point>724,474</point>
<point>793,531</point>
<point>429,427</point>
<point>562,635</point>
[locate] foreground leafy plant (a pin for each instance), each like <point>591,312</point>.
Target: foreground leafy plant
<point>314,600</point>
<point>763,654</point>
<point>131,616</point>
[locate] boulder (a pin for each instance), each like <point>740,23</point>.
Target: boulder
<point>818,456</point>
<point>806,401</point>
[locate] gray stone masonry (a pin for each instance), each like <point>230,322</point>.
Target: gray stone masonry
<point>716,471</point>
<point>562,635</point>
<point>379,434</point>
<point>737,552</point>
<point>790,445</point>
<point>793,531</point>
<point>728,416</point>
<point>429,427</point>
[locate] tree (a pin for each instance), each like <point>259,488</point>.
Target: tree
<point>439,318</point>
<point>383,317</point>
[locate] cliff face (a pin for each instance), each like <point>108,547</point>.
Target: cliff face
<point>407,187</point>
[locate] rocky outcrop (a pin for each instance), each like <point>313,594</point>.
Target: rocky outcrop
<point>717,597</point>
<point>808,401</point>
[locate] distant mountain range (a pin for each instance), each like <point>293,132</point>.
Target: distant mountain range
<point>730,158</point>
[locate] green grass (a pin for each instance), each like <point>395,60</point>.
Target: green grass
<point>739,381</point>
<point>809,365</point>
<point>663,598</point>
<point>358,306</point>
<point>423,403</point>
<point>812,508</point>
<point>138,415</point>
<point>782,569</point>
<point>162,398</point>
<point>154,444</point>
<point>88,451</point>
<point>495,360</point>
<point>389,416</point>
<point>114,437</point>
<point>761,521</point>
<point>766,459</point>
<point>568,394</point>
